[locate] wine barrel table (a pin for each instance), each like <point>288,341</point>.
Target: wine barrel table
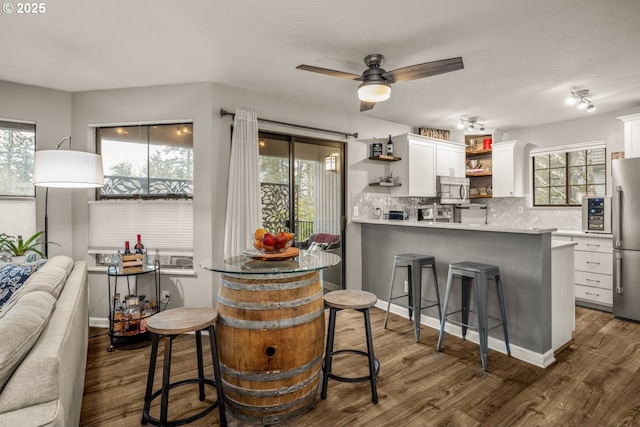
<point>270,334</point>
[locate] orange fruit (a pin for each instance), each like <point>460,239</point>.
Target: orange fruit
<point>259,233</point>
<point>257,244</point>
<point>290,236</point>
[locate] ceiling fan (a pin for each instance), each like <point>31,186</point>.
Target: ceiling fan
<point>376,82</point>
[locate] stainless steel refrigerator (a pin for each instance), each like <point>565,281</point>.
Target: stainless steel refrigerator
<point>626,237</point>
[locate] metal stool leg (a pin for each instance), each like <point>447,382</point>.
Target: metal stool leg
<point>466,303</point>
<point>216,375</point>
<point>372,369</point>
<point>328,351</point>
<point>481,302</point>
<point>200,365</point>
<point>415,283</point>
<point>503,313</point>
<point>435,282</point>
<point>393,276</point>
<point>150,377</point>
<point>166,372</point>
<point>447,292</point>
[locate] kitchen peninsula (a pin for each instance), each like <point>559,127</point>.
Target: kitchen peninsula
<point>537,277</point>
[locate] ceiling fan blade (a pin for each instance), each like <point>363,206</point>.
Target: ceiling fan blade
<point>427,69</point>
<point>329,72</point>
<point>364,106</point>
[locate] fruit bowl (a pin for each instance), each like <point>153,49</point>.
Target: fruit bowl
<point>268,243</point>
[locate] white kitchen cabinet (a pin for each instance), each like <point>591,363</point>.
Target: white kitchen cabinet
<point>450,158</point>
<point>631,135</point>
<point>593,270</point>
<point>416,171</point>
<point>509,169</point>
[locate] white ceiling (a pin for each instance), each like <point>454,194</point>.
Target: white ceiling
<point>521,58</point>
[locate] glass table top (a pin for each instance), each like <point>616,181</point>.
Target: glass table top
<point>118,270</point>
<point>244,264</point>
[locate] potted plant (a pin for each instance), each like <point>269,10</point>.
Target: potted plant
<point>18,247</point>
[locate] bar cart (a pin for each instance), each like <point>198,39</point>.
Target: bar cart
<point>128,325</point>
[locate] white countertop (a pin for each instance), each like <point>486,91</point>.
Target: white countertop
<point>580,233</point>
<point>453,226</point>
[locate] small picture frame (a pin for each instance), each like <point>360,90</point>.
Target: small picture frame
<point>376,149</point>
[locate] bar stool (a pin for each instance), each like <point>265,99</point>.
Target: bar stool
<point>414,263</point>
<point>354,300</point>
<point>471,272</point>
<point>168,325</point>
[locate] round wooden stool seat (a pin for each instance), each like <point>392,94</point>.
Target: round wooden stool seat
<point>350,299</point>
<point>182,320</point>
<point>360,301</point>
<point>167,326</point>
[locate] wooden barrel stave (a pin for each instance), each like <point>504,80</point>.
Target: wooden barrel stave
<point>271,340</point>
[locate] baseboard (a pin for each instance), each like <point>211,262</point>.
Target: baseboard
<point>541,360</point>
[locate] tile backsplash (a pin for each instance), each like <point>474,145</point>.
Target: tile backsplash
<point>500,211</point>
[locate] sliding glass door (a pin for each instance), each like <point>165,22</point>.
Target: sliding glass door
<point>302,184</point>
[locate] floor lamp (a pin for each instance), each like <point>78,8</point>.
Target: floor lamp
<point>65,169</point>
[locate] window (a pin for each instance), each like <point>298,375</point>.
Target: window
<point>147,161</point>
<point>563,176</point>
<point>17,193</point>
<point>153,163</point>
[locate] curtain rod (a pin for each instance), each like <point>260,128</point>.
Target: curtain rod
<point>224,112</point>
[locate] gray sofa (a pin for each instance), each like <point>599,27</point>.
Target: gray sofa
<point>43,352</point>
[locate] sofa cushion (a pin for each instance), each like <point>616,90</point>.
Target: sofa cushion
<point>20,328</point>
<point>11,279</point>
<point>50,278</point>
<point>61,261</point>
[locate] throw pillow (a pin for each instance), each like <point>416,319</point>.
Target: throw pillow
<point>315,246</point>
<point>12,277</point>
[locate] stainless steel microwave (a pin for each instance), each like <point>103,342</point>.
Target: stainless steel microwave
<point>452,190</point>
<point>596,215</point>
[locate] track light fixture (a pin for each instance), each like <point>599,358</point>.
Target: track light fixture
<point>471,123</point>
<point>579,99</point>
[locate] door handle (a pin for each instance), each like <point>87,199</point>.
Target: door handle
<point>618,273</point>
<point>618,231</point>
<point>593,262</point>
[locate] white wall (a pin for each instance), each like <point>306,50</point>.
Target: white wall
<point>51,110</point>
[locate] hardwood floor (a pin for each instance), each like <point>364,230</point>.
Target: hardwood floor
<point>594,382</point>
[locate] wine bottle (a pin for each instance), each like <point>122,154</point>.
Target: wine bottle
<point>117,316</point>
<point>139,247</point>
<point>389,147</point>
<point>132,316</point>
<point>127,250</point>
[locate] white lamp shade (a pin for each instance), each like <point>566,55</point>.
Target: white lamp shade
<point>67,169</point>
<point>374,92</point>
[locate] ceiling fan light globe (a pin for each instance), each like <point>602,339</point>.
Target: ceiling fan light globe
<point>374,92</point>
<point>571,100</point>
<point>591,108</point>
<point>460,125</point>
<point>582,105</point>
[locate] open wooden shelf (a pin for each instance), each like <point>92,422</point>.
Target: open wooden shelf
<point>383,158</point>
<point>477,152</point>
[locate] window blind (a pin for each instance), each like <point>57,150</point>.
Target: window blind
<point>18,216</point>
<point>165,226</point>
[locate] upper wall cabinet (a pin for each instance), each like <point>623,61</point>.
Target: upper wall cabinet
<point>416,170</point>
<point>450,158</point>
<point>631,135</point>
<point>509,176</point>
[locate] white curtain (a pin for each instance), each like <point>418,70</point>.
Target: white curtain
<point>244,208</point>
